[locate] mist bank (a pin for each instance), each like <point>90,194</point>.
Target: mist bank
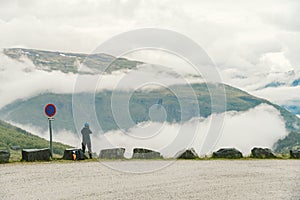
<point>261,126</point>
<point>30,80</point>
<point>278,85</point>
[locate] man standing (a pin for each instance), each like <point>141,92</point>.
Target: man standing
<point>86,139</point>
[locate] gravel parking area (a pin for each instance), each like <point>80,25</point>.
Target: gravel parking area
<point>183,179</point>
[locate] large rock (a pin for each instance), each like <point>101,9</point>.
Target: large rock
<point>295,153</point>
<point>140,153</point>
<point>116,153</point>
<point>74,154</point>
<point>262,153</point>
<point>187,154</point>
<point>36,154</point>
<point>227,153</point>
<point>4,156</point>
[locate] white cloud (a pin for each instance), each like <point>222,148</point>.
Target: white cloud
<point>277,62</point>
<point>21,80</point>
<point>254,38</point>
<point>223,28</point>
<point>261,126</point>
<point>279,95</point>
<point>240,130</point>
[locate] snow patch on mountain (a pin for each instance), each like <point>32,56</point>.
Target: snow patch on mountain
<point>23,76</point>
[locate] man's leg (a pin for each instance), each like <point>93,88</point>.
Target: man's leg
<point>89,145</point>
<point>83,147</point>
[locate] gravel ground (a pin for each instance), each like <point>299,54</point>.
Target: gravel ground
<point>212,179</point>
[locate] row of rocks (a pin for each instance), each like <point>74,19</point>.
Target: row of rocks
<point>27,155</point>
<point>231,153</point>
<point>141,153</point>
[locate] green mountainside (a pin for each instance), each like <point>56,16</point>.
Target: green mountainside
<point>31,112</point>
<point>292,141</point>
<point>14,136</point>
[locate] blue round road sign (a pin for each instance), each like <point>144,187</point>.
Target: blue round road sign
<point>50,110</point>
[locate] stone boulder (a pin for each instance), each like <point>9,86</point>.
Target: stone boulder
<point>4,156</point>
<point>115,153</point>
<point>262,153</point>
<point>140,153</point>
<point>36,154</point>
<point>187,154</point>
<point>231,153</point>
<point>295,153</point>
<point>74,154</point>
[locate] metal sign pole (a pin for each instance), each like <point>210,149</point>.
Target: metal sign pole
<point>50,130</point>
<point>50,111</point>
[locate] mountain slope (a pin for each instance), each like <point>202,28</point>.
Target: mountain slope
<point>30,111</point>
<point>291,141</point>
<point>70,62</point>
<point>14,136</point>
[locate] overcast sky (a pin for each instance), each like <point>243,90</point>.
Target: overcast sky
<point>244,38</point>
<point>232,32</point>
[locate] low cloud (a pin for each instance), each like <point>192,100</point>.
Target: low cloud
<point>22,79</point>
<point>281,95</point>
<point>261,126</point>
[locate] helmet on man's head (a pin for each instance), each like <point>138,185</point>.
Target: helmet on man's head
<point>86,124</point>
